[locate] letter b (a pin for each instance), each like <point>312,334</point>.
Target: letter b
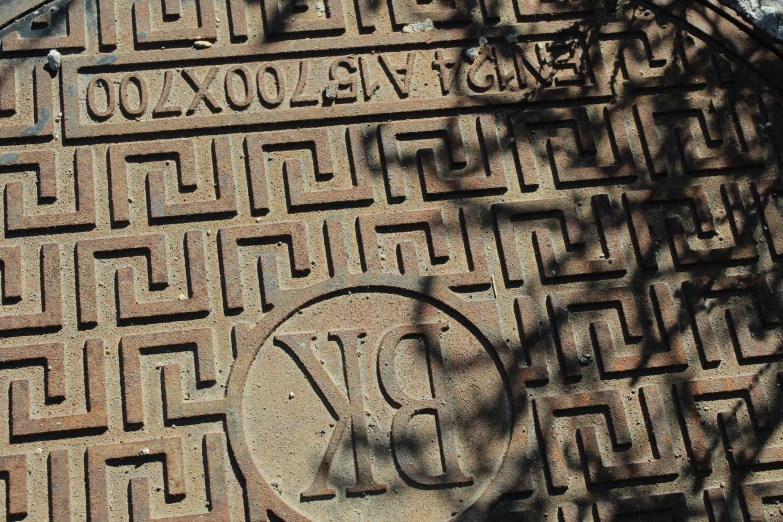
<point>438,405</point>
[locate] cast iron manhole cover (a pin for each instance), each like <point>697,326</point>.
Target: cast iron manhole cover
<point>315,260</point>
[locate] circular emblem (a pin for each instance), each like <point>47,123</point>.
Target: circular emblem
<point>371,402</point>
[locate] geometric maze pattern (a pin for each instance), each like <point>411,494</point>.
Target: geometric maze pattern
<point>602,181</point>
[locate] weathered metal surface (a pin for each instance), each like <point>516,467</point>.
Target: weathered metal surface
<point>323,260</point>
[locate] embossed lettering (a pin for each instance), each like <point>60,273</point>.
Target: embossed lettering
<point>92,107</point>
<point>447,70</point>
<point>299,98</point>
<point>346,87</point>
<point>439,405</point>
<point>241,72</point>
<point>400,76</point>
<point>342,408</point>
<point>278,82</point>
<point>369,86</point>
<point>125,103</point>
<point>161,109</point>
<point>504,78</point>
<point>476,83</point>
<point>202,91</point>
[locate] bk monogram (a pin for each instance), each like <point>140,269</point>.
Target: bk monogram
<point>348,409</point>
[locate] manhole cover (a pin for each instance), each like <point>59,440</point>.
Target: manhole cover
<point>328,260</point>
<point>411,409</point>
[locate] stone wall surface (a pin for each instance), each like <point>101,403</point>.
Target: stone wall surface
<point>764,14</point>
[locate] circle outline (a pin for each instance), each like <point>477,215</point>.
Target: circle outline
<point>261,496</point>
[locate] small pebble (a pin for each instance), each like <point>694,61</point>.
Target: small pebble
<point>202,44</point>
<point>419,27</point>
<point>55,60</point>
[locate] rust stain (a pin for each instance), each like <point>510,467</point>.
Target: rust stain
<point>323,260</point>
